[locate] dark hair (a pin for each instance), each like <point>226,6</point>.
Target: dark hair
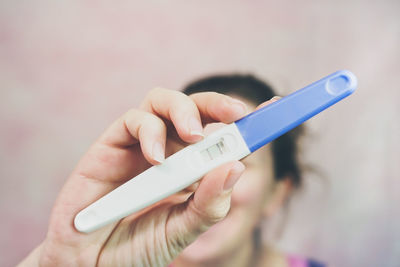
<point>284,148</point>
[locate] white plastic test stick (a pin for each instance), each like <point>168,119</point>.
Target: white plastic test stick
<point>232,142</point>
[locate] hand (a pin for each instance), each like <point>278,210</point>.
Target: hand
<point>137,140</point>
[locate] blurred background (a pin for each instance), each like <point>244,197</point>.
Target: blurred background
<point>69,68</point>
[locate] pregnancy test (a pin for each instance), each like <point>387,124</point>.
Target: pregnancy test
<point>232,142</point>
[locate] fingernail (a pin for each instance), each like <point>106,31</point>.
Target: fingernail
<point>234,175</point>
<point>195,127</point>
<point>276,98</point>
<point>158,152</point>
<point>238,106</point>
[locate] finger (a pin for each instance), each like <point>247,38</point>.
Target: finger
<point>138,125</point>
<point>178,108</point>
<point>266,103</point>
<point>211,201</point>
<point>215,107</point>
<point>110,162</point>
<point>209,204</point>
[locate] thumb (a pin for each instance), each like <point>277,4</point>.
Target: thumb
<point>209,204</point>
<point>211,201</point>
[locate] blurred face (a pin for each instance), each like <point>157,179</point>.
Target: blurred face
<point>249,198</point>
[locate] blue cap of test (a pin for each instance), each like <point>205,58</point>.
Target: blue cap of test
<point>270,122</point>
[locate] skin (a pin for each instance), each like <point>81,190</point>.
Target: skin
<point>165,122</point>
<point>255,197</point>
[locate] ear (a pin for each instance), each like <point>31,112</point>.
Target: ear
<point>278,197</point>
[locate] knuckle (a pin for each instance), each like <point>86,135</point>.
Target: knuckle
<point>170,97</point>
<point>134,114</point>
<point>148,99</point>
<point>206,94</point>
<point>211,214</point>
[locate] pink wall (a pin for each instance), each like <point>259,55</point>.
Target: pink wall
<point>68,69</point>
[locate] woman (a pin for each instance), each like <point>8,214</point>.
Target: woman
<point>214,222</point>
